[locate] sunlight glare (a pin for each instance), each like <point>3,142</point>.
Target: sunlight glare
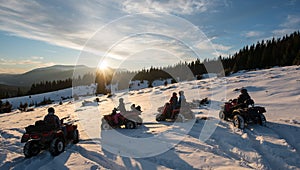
<point>102,65</point>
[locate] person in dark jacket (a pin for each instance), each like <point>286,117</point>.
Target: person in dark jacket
<point>52,119</point>
<point>173,101</point>
<point>243,97</point>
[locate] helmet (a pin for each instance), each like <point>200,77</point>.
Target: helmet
<point>174,94</point>
<point>121,99</point>
<point>51,110</point>
<point>244,90</point>
<point>181,92</point>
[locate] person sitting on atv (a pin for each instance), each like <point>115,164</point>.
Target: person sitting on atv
<point>51,119</point>
<point>121,108</point>
<point>173,101</point>
<point>182,100</point>
<point>243,97</point>
<point>173,104</point>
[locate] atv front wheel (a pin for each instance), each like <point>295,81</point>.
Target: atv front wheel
<point>130,125</point>
<point>105,126</point>
<point>238,121</point>
<point>222,115</point>
<point>31,148</point>
<point>262,121</point>
<point>160,117</point>
<point>75,136</point>
<point>57,146</point>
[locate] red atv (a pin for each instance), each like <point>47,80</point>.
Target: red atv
<point>129,119</point>
<point>242,114</point>
<point>42,137</point>
<point>179,114</point>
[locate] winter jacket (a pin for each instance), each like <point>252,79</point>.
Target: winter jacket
<point>52,119</point>
<point>173,102</point>
<point>242,98</point>
<point>121,107</point>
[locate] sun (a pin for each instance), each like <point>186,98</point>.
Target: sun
<point>102,65</point>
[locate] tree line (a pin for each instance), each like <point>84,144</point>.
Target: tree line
<point>283,51</point>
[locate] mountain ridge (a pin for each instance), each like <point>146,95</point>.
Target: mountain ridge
<point>55,72</point>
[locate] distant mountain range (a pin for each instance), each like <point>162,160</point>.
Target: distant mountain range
<point>56,72</point>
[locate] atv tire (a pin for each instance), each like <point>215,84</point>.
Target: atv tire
<point>238,121</point>
<point>160,117</point>
<point>57,146</point>
<point>105,126</point>
<point>222,115</point>
<point>31,148</point>
<point>130,125</point>
<point>75,136</point>
<point>262,121</point>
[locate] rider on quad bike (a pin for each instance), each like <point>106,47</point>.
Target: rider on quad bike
<point>52,119</point>
<point>243,98</point>
<point>51,133</point>
<point>240,113</point>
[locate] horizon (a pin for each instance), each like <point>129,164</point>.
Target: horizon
<point>137,34</point>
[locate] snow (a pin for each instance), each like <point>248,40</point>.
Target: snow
<point>204,143</point>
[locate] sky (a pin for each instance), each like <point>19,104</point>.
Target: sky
<point>134,34</point>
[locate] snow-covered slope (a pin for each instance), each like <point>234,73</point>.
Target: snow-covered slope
<point>206,143</point>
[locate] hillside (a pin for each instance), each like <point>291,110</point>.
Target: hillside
<point>204,143</point>
<point>56,72</point>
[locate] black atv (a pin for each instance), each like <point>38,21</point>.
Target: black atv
<point>41,136</point>
<point>241,114</point>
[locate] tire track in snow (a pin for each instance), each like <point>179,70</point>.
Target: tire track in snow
<point>275,152</point>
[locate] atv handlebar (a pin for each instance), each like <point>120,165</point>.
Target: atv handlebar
<point>62,119</point>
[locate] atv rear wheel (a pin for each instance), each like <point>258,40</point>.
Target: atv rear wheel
<point>31,148</point>
<point>160,117</point>
<point>75,136</point>
<point>57,146</point>
<point>262,121</point>
<point>222,115</point>
<point>130,125</point>
<point>105,126</point>
<point>238,121</point>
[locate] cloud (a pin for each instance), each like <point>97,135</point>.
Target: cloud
<point>37,58</point>
<point>59,23</point>
<point>251,34</point>
<point>96,27</point>
<point>23,65</point>
<point>291,24</point>
<point>167,6</point>
<point>216,48</point>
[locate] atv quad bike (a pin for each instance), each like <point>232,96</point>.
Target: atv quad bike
<point>45,137</point>
<point>129,119</point>
<point>242,114</point>
<point>178,115</point>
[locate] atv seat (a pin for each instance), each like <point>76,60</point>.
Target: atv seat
<point>39,126</point>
